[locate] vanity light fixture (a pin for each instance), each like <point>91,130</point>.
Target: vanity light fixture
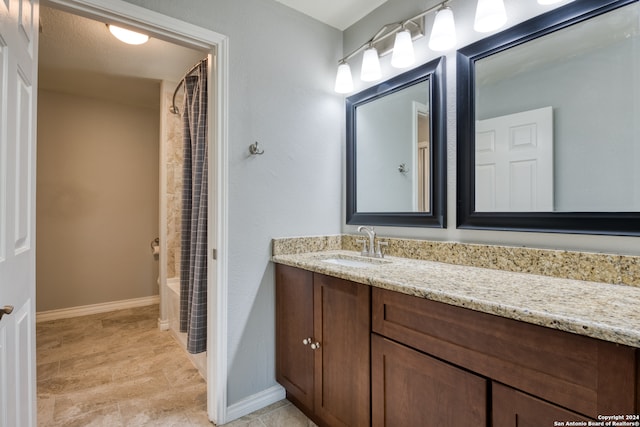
<point>128,36</point>
<point>403,55</point>
<point>443,34</point>
<point>490,15</point>
<point>344,81</point>
<point>405,32</point>
<point>370,71</point>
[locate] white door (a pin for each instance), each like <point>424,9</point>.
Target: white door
<point>18,85</point>
<point>514,162</point>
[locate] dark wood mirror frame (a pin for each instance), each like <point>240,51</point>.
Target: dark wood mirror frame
<point>607,223</point>
<point>432,71</point>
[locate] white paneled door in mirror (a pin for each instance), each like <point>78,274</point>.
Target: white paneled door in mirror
<point>18,79</point>
<point>514,162</point>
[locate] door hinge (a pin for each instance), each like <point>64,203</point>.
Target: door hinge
<point>214,253</point>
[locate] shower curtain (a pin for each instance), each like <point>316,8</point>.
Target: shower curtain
<point>193,261</point>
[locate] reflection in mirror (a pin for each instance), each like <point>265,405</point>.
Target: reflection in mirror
<point>391,152</point>
<point>595,122</point>
<point>548,135</point>
<point>395,151</point>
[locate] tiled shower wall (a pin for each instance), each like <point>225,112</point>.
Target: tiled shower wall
<point>174,185</point>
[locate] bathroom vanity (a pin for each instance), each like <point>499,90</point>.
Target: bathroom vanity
<point>405,342</point>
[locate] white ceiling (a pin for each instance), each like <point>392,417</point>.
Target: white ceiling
<point>340,14</point>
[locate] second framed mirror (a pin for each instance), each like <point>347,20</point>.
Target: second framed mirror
<point>396,150</point>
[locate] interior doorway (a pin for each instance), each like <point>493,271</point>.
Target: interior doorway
<point>215,46</point>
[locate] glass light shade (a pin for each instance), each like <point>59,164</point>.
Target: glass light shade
<point>370,66</point>
<point>403,55</point>
<point>443,34</point>
<point>548,1</point>
<point>490,15</point>
<point>128,36</point>
<point>344,81</point>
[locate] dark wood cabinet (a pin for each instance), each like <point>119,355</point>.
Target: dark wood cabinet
<point>350,355</point>
<point>294,323</point>
<point>409,388</point>
<point>584,375</point>
<point>512,408</point>
<point>322,342</point>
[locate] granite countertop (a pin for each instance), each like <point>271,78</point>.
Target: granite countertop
<point>598,310</point>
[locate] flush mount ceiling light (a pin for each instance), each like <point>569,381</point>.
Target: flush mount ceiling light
<point>128,36</point>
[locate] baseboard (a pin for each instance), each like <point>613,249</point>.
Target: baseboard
<point>86,310</point>
<point>255,402</point>
<point>163,324</point>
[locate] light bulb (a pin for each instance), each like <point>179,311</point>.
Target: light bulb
<point>443,34</point>
<point>344,81</point>
<point>128,36</point>
<point>403,55</point>
<point>490,15</point>
<point>370,65</point>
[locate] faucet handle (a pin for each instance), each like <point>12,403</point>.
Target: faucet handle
<point>379,252</point>
<point>364,251</point>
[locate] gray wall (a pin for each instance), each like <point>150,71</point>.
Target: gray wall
<point>395,10</point>
<point>282,69</point>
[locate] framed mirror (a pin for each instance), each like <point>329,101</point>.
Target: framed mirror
<point>396,150</point>
<point>548,124</point>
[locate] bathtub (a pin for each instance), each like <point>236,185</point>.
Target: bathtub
<point>173,293</point>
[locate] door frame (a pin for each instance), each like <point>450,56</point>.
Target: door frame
<point>176,31</point>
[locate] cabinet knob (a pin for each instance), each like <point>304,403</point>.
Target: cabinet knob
<point>306,341</point>
<point>315,345</point>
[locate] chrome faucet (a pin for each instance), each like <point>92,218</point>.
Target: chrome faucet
<point>370,250</point>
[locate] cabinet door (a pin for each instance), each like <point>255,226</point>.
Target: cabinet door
<point>342,328</point>
<point>592,377</point>
<point>410,388</point>
<point>294,323</point>
<point>512,408</point>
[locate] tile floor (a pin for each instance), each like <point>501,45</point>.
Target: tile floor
<point>117,369</point>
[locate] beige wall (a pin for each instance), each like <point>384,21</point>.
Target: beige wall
<point>97,201</point>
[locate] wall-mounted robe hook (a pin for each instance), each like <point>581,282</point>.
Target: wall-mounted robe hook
<point>255,149</point>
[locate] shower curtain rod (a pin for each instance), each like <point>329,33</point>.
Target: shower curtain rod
<point>173,109</point>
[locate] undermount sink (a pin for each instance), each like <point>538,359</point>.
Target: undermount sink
<point>360,262</point>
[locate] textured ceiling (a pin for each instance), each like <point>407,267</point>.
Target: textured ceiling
<point>79,55</point>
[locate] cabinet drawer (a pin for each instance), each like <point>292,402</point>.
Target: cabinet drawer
<point>590,376</point>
